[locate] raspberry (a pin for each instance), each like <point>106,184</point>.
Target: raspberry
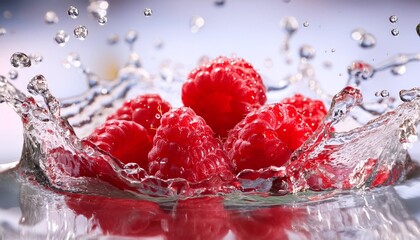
<point>223,92</point>
<point>125,140</point>
<point>145,110</point>
<point>266,137</point>
<point>313,111</point>
<point>185,147</point>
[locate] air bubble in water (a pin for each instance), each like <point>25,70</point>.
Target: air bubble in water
<point>147,12</point>
<point>20,60</point>
<point>80,32</point>
<point>409,95</point>
<point>131,36</point>
<point>395,32</point>
<point>73,12</point>
<point>306,24</point>
<point>102,21</point>
<point>98,8</point>
<point>393,19</point>
<point>418,29</point>
<point>38,85</point>
<point>113,39</point>
<point>2,31</point>
<point>196,23</point>
<point>399,70</point>
<point>307,52</point>
<point>13,74</point>
<point>61,38</point>
<point>74,59</point>
<point>50,17</point>
<point>290,24</point>
<point>383,93</point>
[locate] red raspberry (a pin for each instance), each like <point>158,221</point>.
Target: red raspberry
<point>313,111</point>
<point>223,92</point>
<point>266,137</point>
<point>185,147</point>
<point>145,110</point>
<point>125,140</point>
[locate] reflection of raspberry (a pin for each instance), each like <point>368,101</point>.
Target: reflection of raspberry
<point>266,137</point>
<point>125,140</point>
<point>313,111</point>
<point>185,147</point>
<point>198,218</point>
<point>223,92</point>
<point>119,216</point>
<point>145,110</point>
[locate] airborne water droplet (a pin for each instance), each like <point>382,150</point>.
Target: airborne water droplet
<point>307,52</point>
<point>147,12</point>
<point>113,39</point>
<point>418,29</point>
<point>2,31</point>
<point>73,12</point>
<point>290,24</point>
<point>98,8</point>
<point>20,60</point>
<point>409,95</point>
<point>74,59</point>
<point>306,24</point>
<point>131,37</point>
<point>219,3</point>
<point>61,38</point>
<point>399,70</point>
<point>50,17</point>
<point>80,32</point>
<point>368,41</point>
<point>102,21</point>
<point>383,93</point>
<point>38,85</point>
<point>357,34</point>
<point>395,32</point>
<point>196,23</point>
<point>36,58</point>
<point>393,19</point>
<point>13,74</point>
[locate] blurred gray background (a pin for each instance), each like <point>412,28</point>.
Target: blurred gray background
<point>249,29</point>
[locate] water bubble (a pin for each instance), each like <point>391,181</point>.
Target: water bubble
<point>7,14</point>
<point>73,12</point>
<point>307,52</point>
<point>399,70</point>
<point>131,36</point>
<point>418,29</point>
<point>196,23</point>
<point>395,32</point>
<point>219,3</point>
<point>132,168</point>
<point>98,9</point>
<point>20,60</point>
<point>383,93</point>
<point>147,12</point>
<point>113,39</point>
<point>393,18</point>
<point>61,38</point>
<point>38,85</point>
<point>368,41</point>
<point>290,24</point>
<point>306,24</point>
<point>74,59</point>
<point>80,32</point>
<point>36,58</point>
<point>2,31</point>
<point>409,95</point>
<point>408,133</point>
<point>13,74</point>
<point>50,17</point>
<point>102,21</point>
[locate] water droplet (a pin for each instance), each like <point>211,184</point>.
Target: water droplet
<point>268,63</point>
<point>80,32</point>
<point>409,95</point>
<point>36,58</point>
<point>38,85</point>
<point>131,37</point>
<point>73,12</point>
<point>3,31</point>
<point>74,59</point>
<point>395,32</point>
<point>307,52</point>
<point>132,168</point>
<point>332,49</point>
<point>357,34</point>
<point>61,38</point>
<point>383,93</point>
<point>196,23</point>
<point>368,41</point>
<point>290,24</point>
<point>66,64</point>
<point>50,17</point>
<point>219,3</point>
<point>102,21</point>
<point>306,24</point>
<point>20,60</point>
<point>408,133</point>
<point>399,70</point>
<point>13,74</point>
<point>147,12</point>
<point>360,70</point>
<point>418,29</point>
<point>7,14</point>
<point>393,18</point>
<point>113,39</point>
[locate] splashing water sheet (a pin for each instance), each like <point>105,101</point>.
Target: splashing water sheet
<point>355,177</point>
